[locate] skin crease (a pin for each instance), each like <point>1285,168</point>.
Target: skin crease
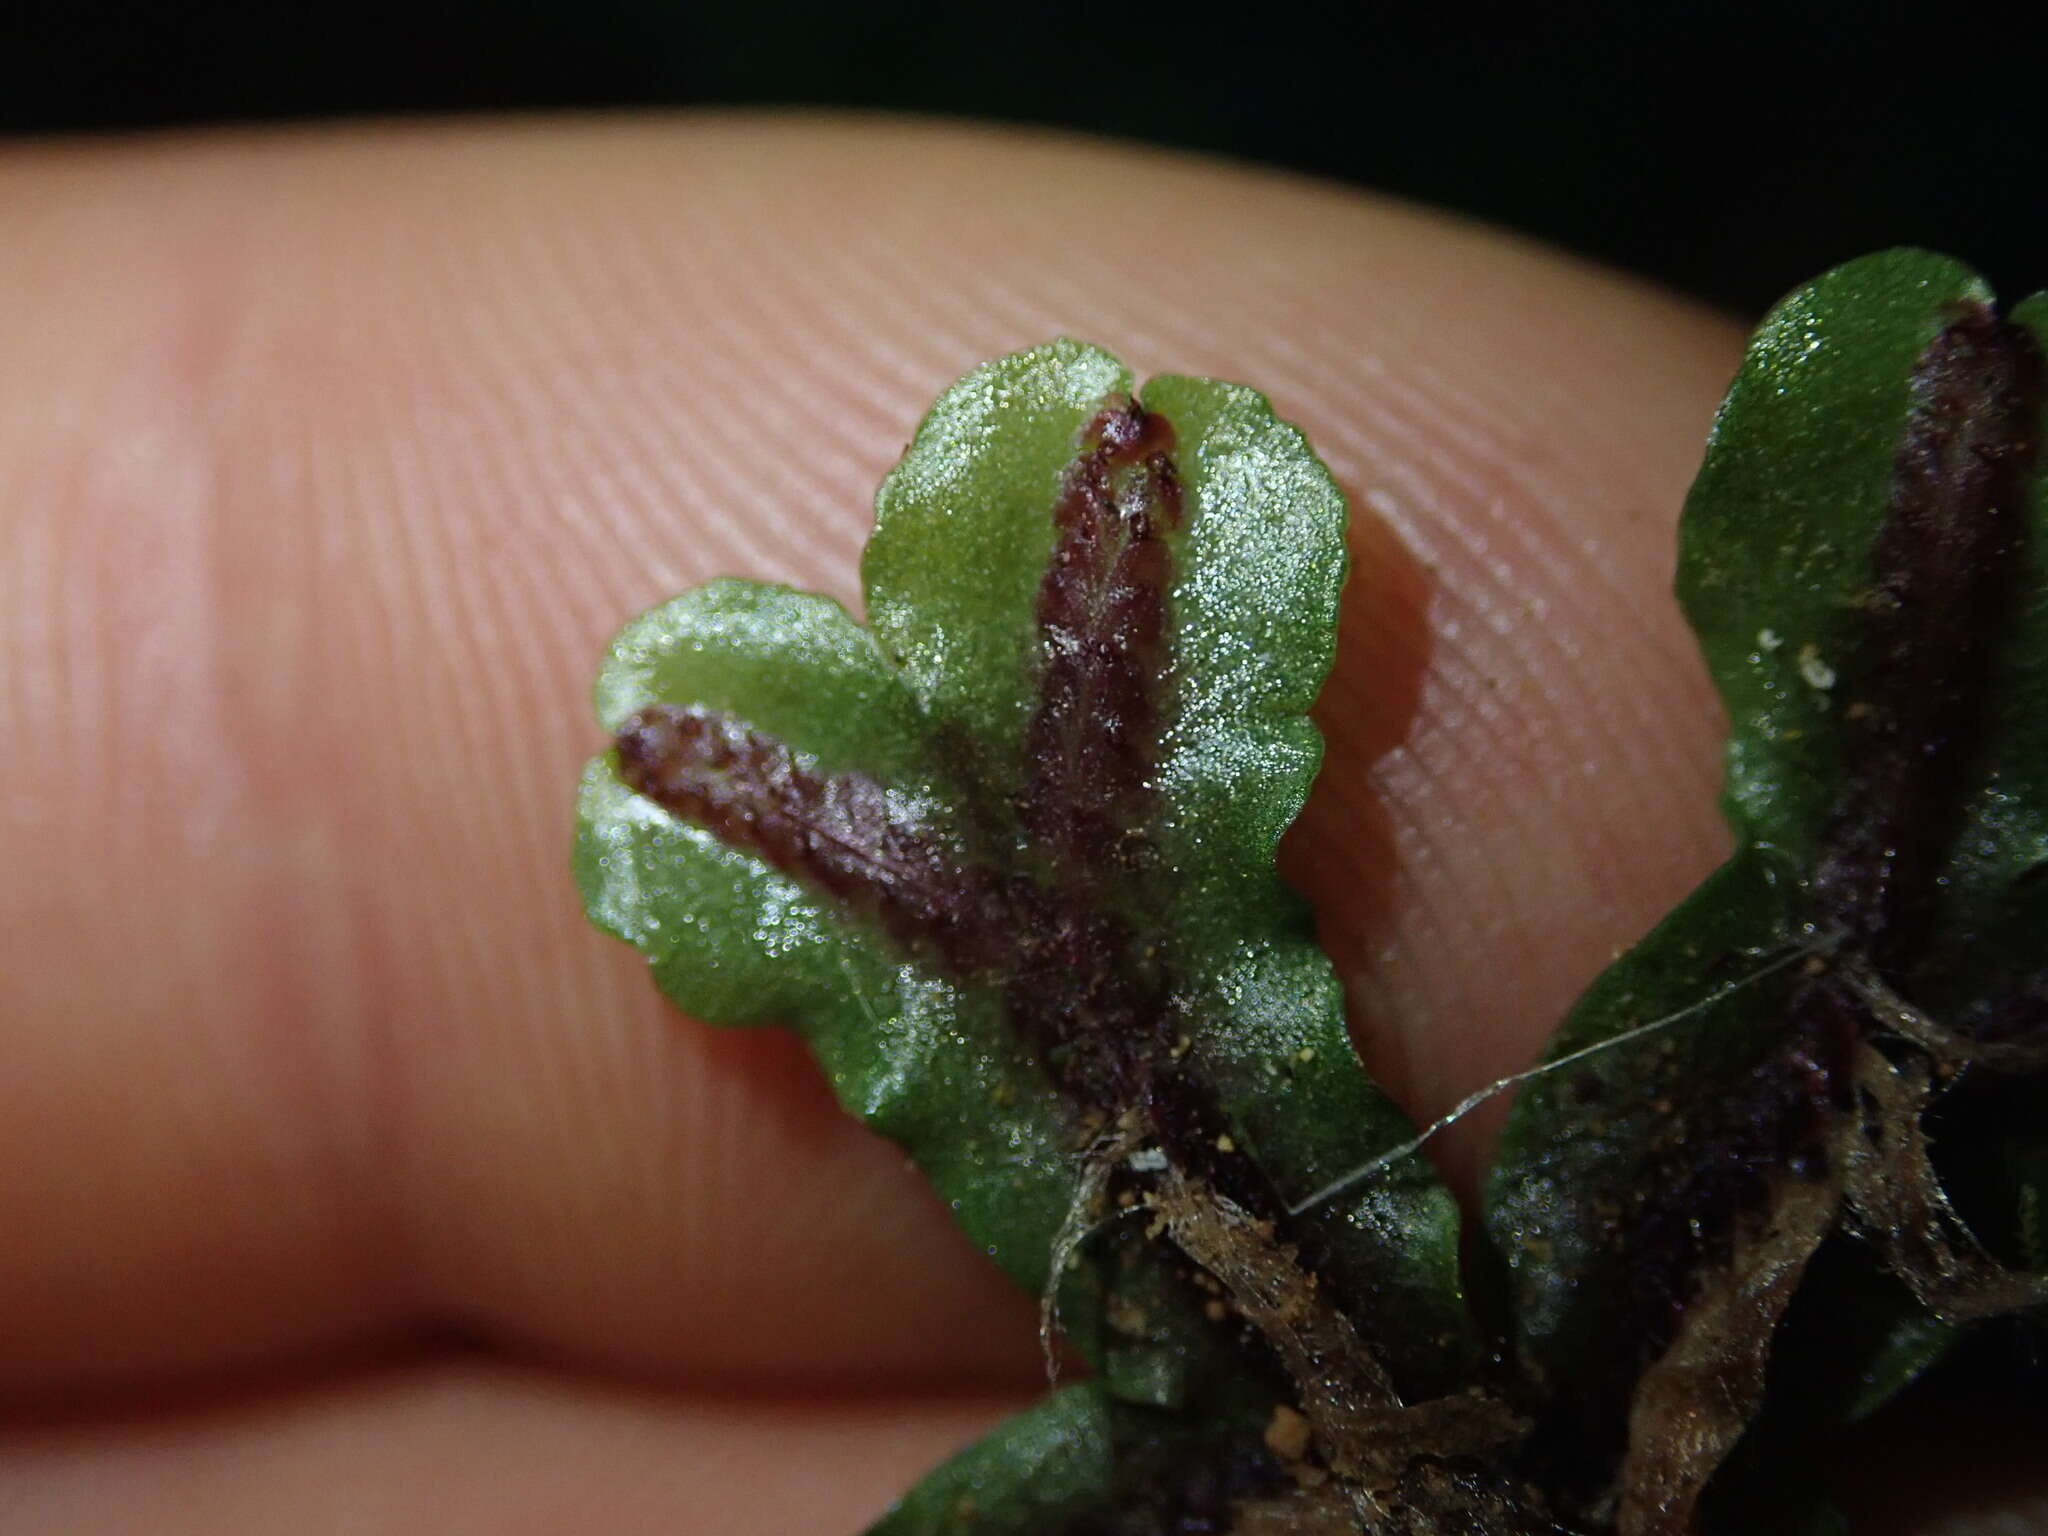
<point>353,1182</point>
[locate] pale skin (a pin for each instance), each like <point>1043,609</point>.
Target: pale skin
<point>352,1183</point>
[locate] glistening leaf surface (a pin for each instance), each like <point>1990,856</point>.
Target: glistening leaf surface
<point>1777,549</point>
<point>1862,558</point>
<point>1005,855</point>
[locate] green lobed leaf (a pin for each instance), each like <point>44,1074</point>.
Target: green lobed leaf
<point>1779,576</point>
<point>1584,1148</point>
<point>1048,1463</point>
<point>1085,1459</point>
<point>1775,548</point>
<point>733,940</point>
<point>932,706</point>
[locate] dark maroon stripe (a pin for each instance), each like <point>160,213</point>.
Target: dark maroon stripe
<point>1945,567</point>
<point>835,832</point>
<point>1102,609</point>
<point>1082,994</point>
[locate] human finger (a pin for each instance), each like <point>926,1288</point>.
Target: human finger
<point>330,462</point>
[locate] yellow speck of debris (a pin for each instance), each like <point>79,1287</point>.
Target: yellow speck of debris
<point>1287,1434</point>
<point>1225,1144</point>
<point>1126,1316</point>
<point>1305,1055</point>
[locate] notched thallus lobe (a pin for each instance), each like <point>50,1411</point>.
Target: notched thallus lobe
<point>1048,906</point>
<point>1912,696</point>
<point>1043,890</point>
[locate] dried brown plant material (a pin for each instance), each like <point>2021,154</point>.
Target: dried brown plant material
<point>1696,1400</point>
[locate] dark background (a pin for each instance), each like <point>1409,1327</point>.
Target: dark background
<point>1729,151</point>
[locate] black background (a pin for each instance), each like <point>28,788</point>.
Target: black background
<point>1729,151</point>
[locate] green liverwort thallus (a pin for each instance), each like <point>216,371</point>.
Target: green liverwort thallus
<point>1005,856</point>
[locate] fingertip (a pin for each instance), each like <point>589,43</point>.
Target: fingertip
<point>465,398</point>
